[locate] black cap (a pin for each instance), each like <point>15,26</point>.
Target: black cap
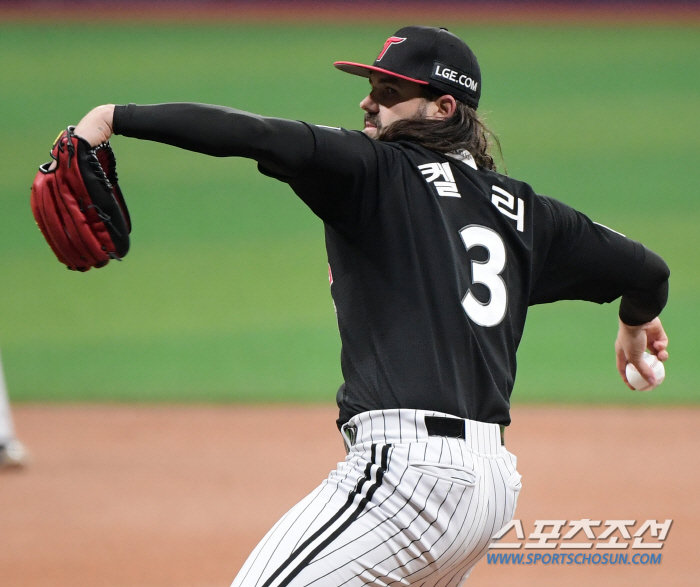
<point>430,57</point>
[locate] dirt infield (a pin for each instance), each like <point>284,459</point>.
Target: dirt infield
<point>177,496</point>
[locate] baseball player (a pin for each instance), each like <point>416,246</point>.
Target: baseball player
<point>434,259</point>
<point>13,455</point>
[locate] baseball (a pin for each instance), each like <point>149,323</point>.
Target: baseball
<point>637,381</point>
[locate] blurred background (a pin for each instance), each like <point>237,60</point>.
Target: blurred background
<point>224,295</point>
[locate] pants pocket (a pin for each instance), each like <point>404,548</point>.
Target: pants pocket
<point>451,473</point>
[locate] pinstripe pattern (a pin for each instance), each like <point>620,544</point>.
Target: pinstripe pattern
<point>404,508</point>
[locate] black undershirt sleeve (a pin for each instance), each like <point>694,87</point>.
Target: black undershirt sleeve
<point>282,147</point>
<point>645,302</point>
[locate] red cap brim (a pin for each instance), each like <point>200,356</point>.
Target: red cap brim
<point>364,71</point>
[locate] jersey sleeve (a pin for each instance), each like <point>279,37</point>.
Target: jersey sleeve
<point>333,171</point>
<point>340,180</point>
<point>578,259</point>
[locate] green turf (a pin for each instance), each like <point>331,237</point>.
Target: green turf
<point>224,295</point>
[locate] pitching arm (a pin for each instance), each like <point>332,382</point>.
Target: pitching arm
<point>587,261</point>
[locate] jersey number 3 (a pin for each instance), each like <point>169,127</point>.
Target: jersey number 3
<point>487,273</point>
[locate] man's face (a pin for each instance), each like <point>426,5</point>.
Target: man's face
<point>392,99</point>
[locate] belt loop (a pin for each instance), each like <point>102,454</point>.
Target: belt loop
<point>503,434</point>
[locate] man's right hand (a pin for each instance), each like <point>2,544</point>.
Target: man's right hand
<point>631,343</point>
<point>96,125</point>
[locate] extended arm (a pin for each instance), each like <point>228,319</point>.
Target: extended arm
<point>281,146</point>
<point>309,158</point>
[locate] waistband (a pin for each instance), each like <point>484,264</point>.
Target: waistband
<point>402,425</point>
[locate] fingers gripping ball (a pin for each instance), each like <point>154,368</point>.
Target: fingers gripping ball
<point>78,205</point>
<point>635,378</point>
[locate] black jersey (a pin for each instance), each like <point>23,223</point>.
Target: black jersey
<point>433,261</point>
<point>434,264</point>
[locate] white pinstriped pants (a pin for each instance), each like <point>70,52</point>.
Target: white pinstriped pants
<point>405,508</point>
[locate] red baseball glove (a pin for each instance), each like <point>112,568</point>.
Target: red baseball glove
<point>78,205</point>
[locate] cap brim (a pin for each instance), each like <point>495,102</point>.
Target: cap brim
<point>365,70</point>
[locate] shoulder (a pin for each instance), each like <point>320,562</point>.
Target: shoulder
<point>336,135</point>
<point>332,143</point>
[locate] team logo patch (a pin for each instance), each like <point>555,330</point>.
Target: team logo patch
<point>454,77</point>
<point>389,42</point>
<point>441,171</point>
<point>350,431</point>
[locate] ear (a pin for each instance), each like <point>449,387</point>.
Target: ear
<point>446,106</point>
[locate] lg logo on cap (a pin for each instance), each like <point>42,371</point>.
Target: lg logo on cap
<point>454,76</point>
<point>389,42</point>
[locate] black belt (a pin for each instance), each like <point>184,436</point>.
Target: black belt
<point>451,427</point>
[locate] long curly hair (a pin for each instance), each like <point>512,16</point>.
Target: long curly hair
<point>463,130</point>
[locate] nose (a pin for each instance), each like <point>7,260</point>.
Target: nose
<point>369,105</point>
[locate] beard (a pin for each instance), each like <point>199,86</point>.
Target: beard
<point>373,119</point>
